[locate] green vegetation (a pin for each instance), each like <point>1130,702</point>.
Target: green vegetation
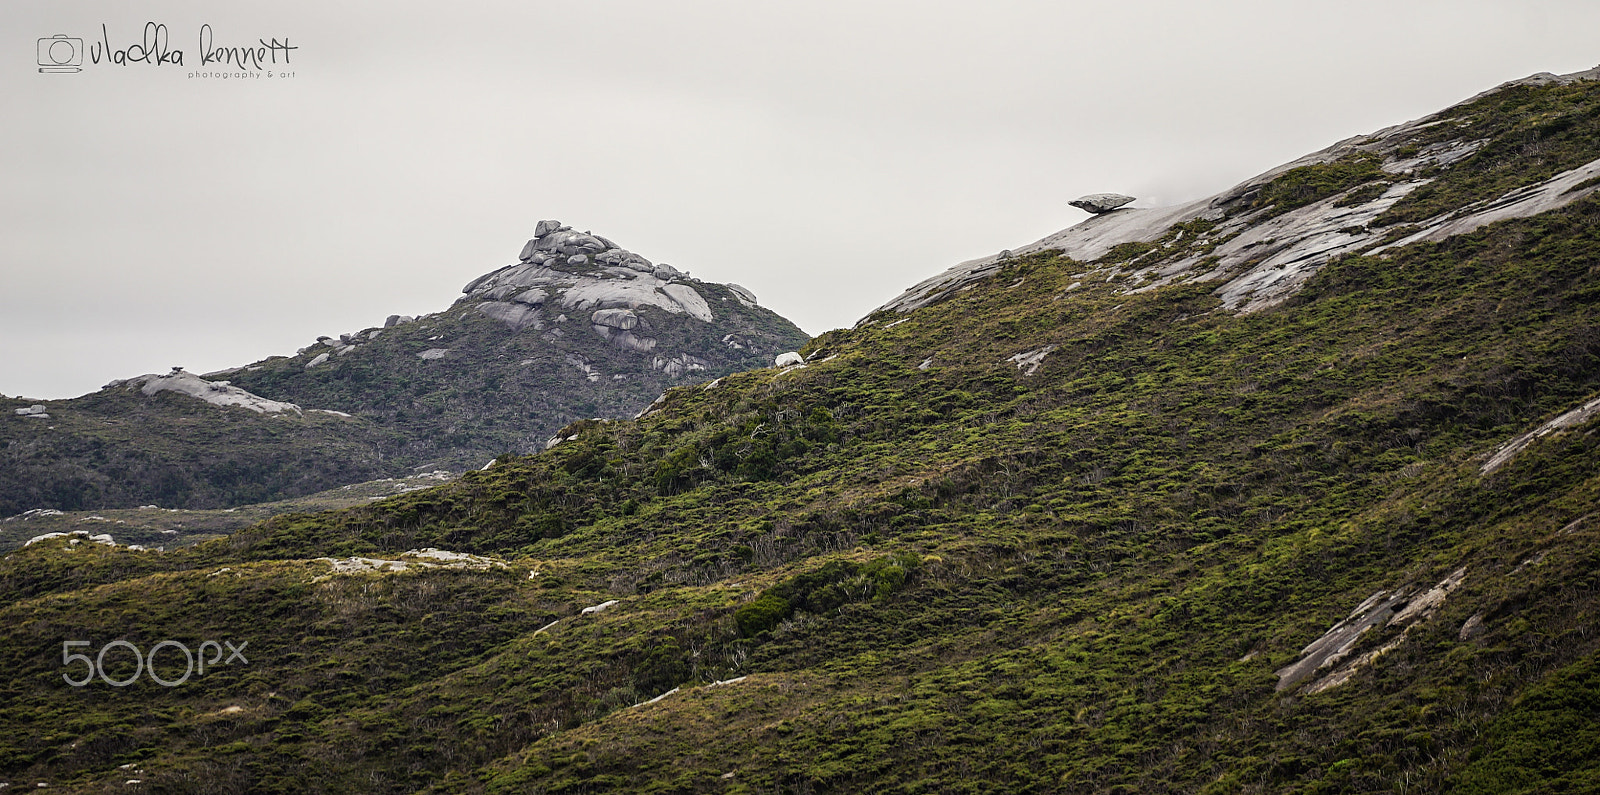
<point>152,527</point>
<point>496,391</point>
<point>1301,186</point>
<point>118,448</point>
<point>824,591</point>
<point>869,574</point>
<point>1529,134</point>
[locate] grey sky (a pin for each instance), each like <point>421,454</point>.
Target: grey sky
<point>824,154</point>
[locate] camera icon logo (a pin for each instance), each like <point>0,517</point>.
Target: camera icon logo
<point>60,54</point>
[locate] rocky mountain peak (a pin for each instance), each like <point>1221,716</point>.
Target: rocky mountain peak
<point>562,272</point>
<point>559,247</point>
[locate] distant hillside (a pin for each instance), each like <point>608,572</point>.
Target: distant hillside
<point>1294,490</point>
<point>578,328</point>
<point>122,448</point>
<point>154,527</point>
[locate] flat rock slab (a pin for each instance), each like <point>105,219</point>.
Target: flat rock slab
<point>1100,202</point>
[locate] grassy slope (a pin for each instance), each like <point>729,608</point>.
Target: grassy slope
<point>953,579</point>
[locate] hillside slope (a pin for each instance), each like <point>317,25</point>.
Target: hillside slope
<point>1058,527</point>
<point>527,351</point>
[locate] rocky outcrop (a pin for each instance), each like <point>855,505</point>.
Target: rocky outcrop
<point>427,558</point>
<point>219,393</point>
<point>565,270</point>
<point>586,272</point>
<point>1028,361</point>
<point>1566,421</point>
<point>1554,193</point>
<point>627,340</point>
<point>517,316</point>
<point>623,329</point>
<point>675,366</point>
<point>1402,608</point>
<point>690,299</point>
<point>744,295</point>
<point>1098,203</point>
<point>620,319</point>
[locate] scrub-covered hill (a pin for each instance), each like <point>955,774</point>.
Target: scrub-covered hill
<point>577,328</point>
<point>1132,510</point>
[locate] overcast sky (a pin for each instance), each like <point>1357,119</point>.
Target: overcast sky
<point>825,155</point>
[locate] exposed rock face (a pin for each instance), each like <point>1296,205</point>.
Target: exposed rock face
<point>626,259</point>
<point>569,243</point>
<point>1259,259</point>
<point>583,366</point>
<point>1100,202</point>
<point>587,272</point>
<point>690,299</point>
<point>622,319</point>
<point>532,296</point>
<point>429,558</point>
<point>626,340</point>
<point>219,393</point>
<point>789,359</point>
<point>676,366</point>
<point>1028,361</point>
<point>561,269</point>
<point>517,316</point>
<point>1402,608</point>
<point>1509,450</point>
<point>742,294</point>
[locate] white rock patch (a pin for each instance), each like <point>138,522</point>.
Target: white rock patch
<point>219,393</point>
<point>1382,609</point>
<point>1571,419</point>
<point>1554,193</point>
<point>428,558</point>
<point>1029,361</point>
<point>75,537</point>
